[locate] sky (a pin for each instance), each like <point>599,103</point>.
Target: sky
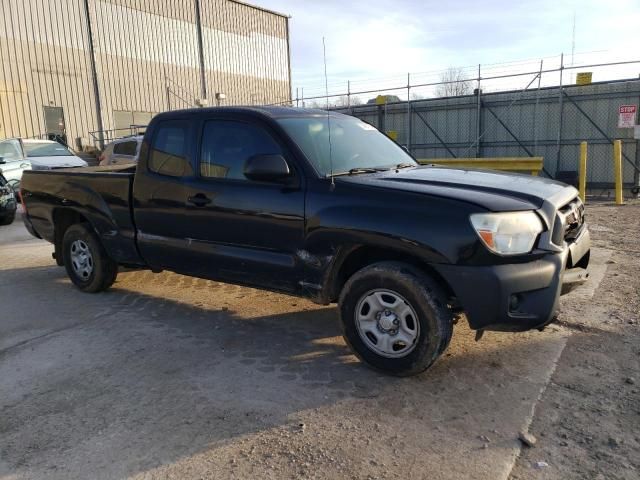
<point>374,43</point>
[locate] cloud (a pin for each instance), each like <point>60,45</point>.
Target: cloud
<point>375,39</point>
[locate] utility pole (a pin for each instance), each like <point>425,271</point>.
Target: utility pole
<point>573,38</point>
<point>94,77</point>
<point>203,80</point>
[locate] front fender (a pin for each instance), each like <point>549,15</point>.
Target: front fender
<point>346,217</point>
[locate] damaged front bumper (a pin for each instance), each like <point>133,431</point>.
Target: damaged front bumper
<point>518,297</point>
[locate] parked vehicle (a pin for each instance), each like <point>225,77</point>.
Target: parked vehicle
<point>13,161</point>
<point>121,151</point>
<point>7,202</point>
<point>266,197</point>
<point>49,155</point>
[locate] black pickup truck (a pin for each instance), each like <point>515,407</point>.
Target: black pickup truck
<point>325,207</point>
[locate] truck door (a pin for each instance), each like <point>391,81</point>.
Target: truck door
<point>219,224</point>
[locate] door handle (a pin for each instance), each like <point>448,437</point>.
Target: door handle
<point>199,200</point>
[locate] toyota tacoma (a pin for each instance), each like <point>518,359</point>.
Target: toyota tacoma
<point>323,206</point>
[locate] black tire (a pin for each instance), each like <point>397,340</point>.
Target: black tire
<point>8,220</point>
<point>421,293</point>
<point>104,270</point>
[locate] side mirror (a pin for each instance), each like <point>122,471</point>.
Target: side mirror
<point>267,168</point>
<point>2,162</point>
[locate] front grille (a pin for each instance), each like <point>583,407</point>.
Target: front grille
<point>569,222</point>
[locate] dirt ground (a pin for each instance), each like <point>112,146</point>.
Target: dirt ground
<point>588,420</point>
<point>166,376</point>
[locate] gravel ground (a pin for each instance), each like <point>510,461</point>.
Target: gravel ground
<point>166,376</point>
<point>588,421</point>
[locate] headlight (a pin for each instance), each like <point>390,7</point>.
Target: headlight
<point>508,233</point>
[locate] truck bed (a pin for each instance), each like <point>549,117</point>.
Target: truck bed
<point>99,195</point>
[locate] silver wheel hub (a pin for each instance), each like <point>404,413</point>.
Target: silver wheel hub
<point>81,259</point>
<point>387,323</point>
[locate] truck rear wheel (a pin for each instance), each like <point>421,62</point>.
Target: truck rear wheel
<point>86,262</point>
<point>395,318</point>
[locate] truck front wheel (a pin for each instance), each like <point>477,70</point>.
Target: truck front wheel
<point>395,318</point>
<point>86,262</point>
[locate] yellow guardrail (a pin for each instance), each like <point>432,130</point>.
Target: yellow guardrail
<point>512,164</point>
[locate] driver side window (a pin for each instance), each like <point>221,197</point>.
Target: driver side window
<point>227,145</point>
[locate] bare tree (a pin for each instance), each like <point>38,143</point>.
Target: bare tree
<point>345,101</point>
<point>454,83</point>
<point>314,104</point>
<point>341,101</point>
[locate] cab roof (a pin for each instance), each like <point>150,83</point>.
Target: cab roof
<point>274,112</point>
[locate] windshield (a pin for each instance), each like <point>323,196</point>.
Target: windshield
<point>354,144</point>
<point>52,149</point>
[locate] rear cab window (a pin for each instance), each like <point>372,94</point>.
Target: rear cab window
<point>169,153</point>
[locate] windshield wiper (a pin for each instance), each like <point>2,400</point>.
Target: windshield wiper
<point>355,171</point>
<point>405,165</point>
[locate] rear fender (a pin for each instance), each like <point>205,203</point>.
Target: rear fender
<point>83,204</point>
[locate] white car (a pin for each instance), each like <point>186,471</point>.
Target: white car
<point>47,155</point>
<point>13,161</point>
<point>123,150</point>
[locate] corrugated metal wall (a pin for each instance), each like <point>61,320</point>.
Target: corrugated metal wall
<point>147,60</point>
<point>256,58</point>
<point>44,62</point>
<point>516,124</point>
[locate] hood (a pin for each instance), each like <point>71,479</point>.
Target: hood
<point>494,190</point>
<point>59,161</point>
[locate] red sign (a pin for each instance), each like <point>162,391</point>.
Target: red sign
<point>627,116</point>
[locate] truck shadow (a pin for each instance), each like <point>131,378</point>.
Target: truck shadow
<point>142,377</point>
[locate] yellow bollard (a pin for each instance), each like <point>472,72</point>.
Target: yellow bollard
<point>617,169</point>
<point>583,172</point>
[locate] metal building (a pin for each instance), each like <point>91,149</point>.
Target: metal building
<point>84,68</point>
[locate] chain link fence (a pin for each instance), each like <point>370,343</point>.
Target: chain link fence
<point>548,116</point>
